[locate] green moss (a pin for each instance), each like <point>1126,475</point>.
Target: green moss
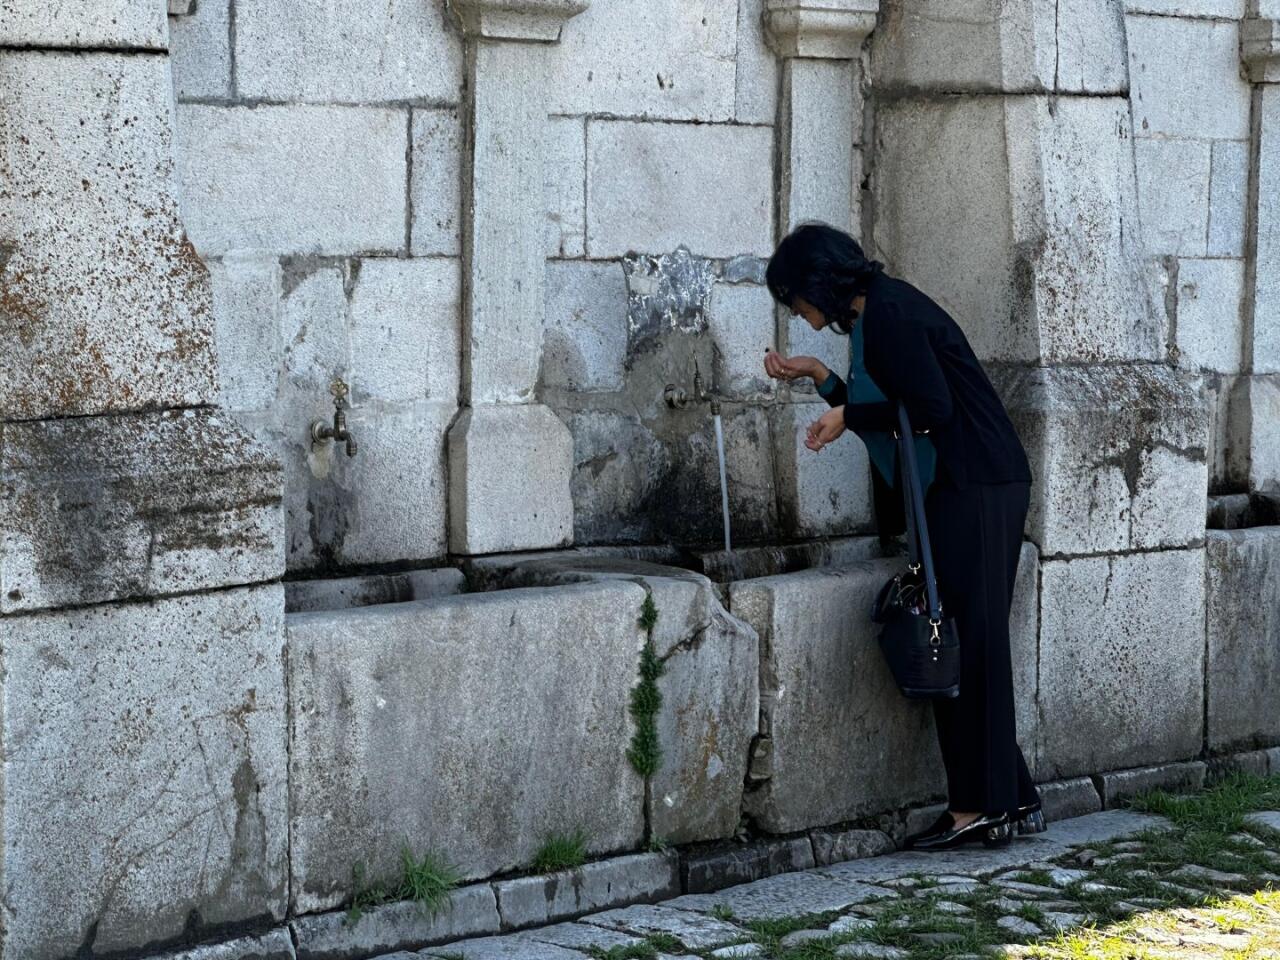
<point>645,752</point>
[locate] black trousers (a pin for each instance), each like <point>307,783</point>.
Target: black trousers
<point>977,536</point>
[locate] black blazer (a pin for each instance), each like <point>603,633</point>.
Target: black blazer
<point>916,353</point>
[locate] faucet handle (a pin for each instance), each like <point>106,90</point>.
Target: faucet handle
<point>339,389</point>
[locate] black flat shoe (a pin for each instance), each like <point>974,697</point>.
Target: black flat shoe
<point>991,829</point>
<point>1030,818</point>
<point>940,826</point>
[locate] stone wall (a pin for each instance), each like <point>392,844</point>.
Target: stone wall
<point>323,165</point>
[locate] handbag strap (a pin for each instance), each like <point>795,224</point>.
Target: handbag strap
<point>918,546</point>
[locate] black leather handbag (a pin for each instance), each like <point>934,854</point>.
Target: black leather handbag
<point>921,644</point>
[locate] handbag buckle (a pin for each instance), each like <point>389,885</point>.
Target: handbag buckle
<point>936,639</point>
<point>913,567</point>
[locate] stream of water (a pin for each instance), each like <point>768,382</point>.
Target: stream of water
<point>724,484</point>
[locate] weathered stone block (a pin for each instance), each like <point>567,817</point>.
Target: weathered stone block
<point>617,882</point>
<point>565,175</point>
<point>1253,443</point>
<point>343,593</point>
<point>1121,785</point>
<point>105,303</point>
<point>647,188</point>
<point>346,51</point>
<point>741,321</point>
<point>619,499</point>
<point>837,846</point>
<point>472,911</point>
<point>694,932</point>
<point>284,178</point>
<point>710,712</point>
<point>706,871</point>
<point>1186,80</point>
<point>436,183</point>
<point>276,945</point>
<point>1209,331</point>
<point>668,59</point>
<point>1255,763</point>
<point>506,219</point>
<point>1067,799</point>
<point>1173,195</point>
<point>1024,650</point>
<point>163,725</point>
<point>1117,455</point>
<point>405,330</point>
<point>200,50</point>
<point>493,508</point>
<point>823,493</point>
<point>986,45</point>
<point>390,501</point>
<point>584,344</point>
<point>757,79</point>
<point>106,24</point>
<point>1243,620</point>
<point>104,508</point>
<point>845,741</point>
<point>822,121</point>
<point>1266,290</point>
<point>382,694</point>
<point>246,306</point>
<point>786,895</point>
<point>353,510</point>
<point>1228,198</point>
<point>1223,9</point>
<point>1034,283</point>
<point>1124,636</point>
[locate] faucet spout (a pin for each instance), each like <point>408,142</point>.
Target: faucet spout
<point>321,432</point>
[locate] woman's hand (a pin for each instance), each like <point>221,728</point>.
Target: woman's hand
<point>828,428</point>
<point>793,368</point>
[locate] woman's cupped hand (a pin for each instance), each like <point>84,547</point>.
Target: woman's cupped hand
<point>793,368</point>
<point>828,428</point>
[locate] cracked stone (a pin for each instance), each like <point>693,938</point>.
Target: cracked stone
<point>1194,871</point>
<point>1019,926</point>
<point>797,937</point>
<point>851,924</point>
<point>738,951</point>
<point>871,951</point>
<point>1063,921</point>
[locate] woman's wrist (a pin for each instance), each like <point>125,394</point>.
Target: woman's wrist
<point>819,372</point>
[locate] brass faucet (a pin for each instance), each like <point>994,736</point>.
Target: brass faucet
<point>702,394</point>
<point>322,432</point>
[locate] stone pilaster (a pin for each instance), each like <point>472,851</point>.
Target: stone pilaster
<point>141,532</point>
<point>1004,185</point>
<point>1253,457</point>
<point>819,155</point>
<point>510,459</point>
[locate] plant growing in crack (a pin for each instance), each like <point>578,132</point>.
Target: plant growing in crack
<point>429,881</point>
<point>561,852</point>
<point>645,752</point>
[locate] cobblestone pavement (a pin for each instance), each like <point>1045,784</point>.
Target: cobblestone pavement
<point>1116,884</point>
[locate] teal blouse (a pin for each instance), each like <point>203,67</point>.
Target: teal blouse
<point>881,447</point>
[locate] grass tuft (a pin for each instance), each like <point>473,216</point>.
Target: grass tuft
<point>633,951</point>
<point>561,852</point>
<point>429,881</point>
<point>648,613</point>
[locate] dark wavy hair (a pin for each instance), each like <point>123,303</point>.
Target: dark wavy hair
<point>824,266</point>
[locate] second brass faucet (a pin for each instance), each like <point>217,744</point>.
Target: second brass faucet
<point>322,432</point>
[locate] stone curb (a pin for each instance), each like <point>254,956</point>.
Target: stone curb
<point>506,906</point>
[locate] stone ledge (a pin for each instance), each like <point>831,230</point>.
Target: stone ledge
<point>132,506</point>
<point>539,900</point>
<point>825,29</point>
<point>537,20</point>
<point>1121,785</point>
